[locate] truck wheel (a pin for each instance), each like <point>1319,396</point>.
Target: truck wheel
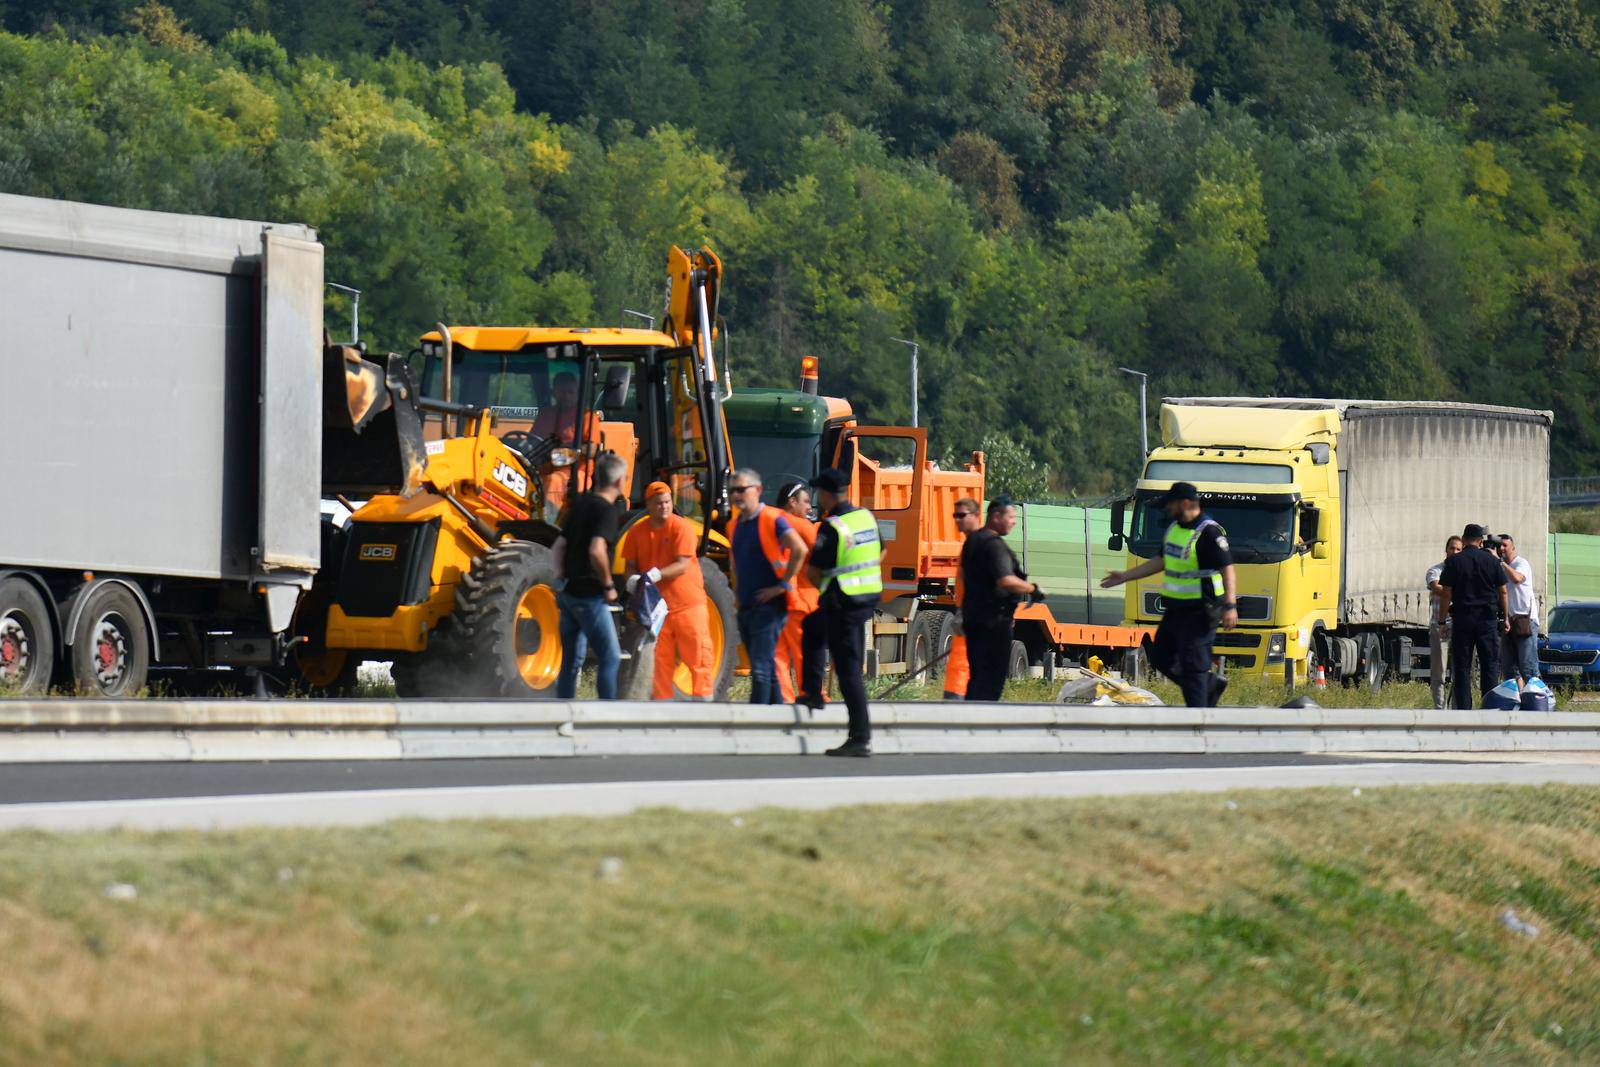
<point>27,644</point>
<point>510,626</point>
<point>1372,668</point>
<point>920,641</point>
<point>1018,665</point>
<point>944,632</point>
<point>110,653</point>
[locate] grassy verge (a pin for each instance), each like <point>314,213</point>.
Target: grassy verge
<point>1266,928</point>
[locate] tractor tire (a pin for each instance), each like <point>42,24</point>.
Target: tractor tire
<point>635,679</point>
<point>1017,665</point>
<point>27,642</point>
<point>509,625</point>
<point>110,653</point>
<point>313,669</point>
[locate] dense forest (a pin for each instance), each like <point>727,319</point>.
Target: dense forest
<point>1385,198</point>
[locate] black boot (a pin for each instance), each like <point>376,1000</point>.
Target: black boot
<point>855,746</point>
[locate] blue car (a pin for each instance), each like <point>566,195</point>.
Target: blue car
<point>1569,652</point>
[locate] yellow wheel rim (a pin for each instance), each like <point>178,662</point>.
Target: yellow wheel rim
<point>540,662</point>
<point>682,677</point>
<point>323,668</point>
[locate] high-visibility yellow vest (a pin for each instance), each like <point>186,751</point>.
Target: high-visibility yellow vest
<point>858,566</point>
<point>1185,578</point>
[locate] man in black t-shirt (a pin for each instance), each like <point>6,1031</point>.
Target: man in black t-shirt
<point>583,553</point>
<point>1199,594</point>
<point>993,584</point>
<point>1473,598</point>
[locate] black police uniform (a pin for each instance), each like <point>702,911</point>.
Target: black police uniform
<point>1474,577</point>
<point>840,625</point>
<point>986,613</point>
<point>1182,648</point>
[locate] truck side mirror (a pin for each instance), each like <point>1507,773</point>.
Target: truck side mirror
<point>1114,542</point>
<point>1319,550</point>
<point>1310,524</point>
<point>615,392</point>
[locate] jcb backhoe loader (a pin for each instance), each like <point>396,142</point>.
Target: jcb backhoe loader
<point>449,572</point>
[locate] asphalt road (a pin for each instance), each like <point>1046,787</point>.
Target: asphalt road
<point>65,782</point>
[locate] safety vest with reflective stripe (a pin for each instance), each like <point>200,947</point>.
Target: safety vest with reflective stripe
<point>1185,578</point>
<point>858,566</point>
<point>772,545</point>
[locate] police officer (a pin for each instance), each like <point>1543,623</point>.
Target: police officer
<point>1472,595</point>
<point>845,566</point>
<point>992,585</point>
<point>1199,593</point>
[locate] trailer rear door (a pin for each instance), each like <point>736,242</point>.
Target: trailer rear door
<point>291,403</point>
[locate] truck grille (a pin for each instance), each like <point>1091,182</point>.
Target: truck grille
<point>1582,657</point>
<point>1254,608</point>
<point>1225,639</point>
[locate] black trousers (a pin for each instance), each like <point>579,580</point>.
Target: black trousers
<point>842,630</point>
<point>1473,633</point>
<point>989,656</point>
<point>1182,652</point>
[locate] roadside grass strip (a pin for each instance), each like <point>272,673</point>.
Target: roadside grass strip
<point>1384,926</point>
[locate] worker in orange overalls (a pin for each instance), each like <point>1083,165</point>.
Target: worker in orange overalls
<point>795,500</point>
<point>957,672</point>
<point>557,422</point>
<point>662,547</point>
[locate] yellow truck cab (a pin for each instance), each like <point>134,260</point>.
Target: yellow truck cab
<point>1334,511</point>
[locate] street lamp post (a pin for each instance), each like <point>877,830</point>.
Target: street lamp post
<point>914,348</point>
<point>1144,426</point>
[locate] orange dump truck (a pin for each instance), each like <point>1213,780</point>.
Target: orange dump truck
<point>789,434</point>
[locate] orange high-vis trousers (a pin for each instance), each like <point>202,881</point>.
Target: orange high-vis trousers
<point>957,671</point>
<point>686,636</point>
<point>788,655</point>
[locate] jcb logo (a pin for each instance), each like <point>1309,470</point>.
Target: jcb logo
<point>512,479</point>
<point>379,553</point>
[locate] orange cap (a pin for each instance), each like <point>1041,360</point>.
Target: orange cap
<point>657,488</point>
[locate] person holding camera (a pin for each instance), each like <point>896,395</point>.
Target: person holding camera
<point>1439,627</point>
<point>993,584</point>
<point>1198,595</point>
<point>1472,595</point>
<point>1520,651</point>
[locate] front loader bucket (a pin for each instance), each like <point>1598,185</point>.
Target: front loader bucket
<point>371,430</point>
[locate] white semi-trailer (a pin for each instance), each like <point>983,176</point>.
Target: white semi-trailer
<point>161,412</point>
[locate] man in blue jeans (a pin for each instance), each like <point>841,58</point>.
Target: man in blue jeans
<point>767,554</point>
<point>583,560</point>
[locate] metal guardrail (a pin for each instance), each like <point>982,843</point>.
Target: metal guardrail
<point>1578,490</point>
<point>58,731</point>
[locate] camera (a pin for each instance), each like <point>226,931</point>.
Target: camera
<point>1492,542</point>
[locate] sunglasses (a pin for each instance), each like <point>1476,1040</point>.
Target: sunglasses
<point>963,514</point>
<point>741,488</point>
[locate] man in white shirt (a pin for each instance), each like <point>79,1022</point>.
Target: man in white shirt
<point>1439,630</point>
<point>1520,654</point>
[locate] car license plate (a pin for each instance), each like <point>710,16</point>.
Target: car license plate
<point>1561,668</point>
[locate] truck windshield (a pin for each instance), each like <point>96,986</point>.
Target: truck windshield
<point>779,459</point>
<point>1575,620</point>
<point>1260,526</point>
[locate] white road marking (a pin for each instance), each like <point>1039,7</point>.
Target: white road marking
<point>366,807</point>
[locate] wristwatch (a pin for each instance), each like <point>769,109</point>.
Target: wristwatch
<point>1230,604</point>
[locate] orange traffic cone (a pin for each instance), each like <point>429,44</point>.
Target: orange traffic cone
<point>1319,680</point>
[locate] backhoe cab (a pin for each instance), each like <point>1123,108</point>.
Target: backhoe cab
<point>454,579</point>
